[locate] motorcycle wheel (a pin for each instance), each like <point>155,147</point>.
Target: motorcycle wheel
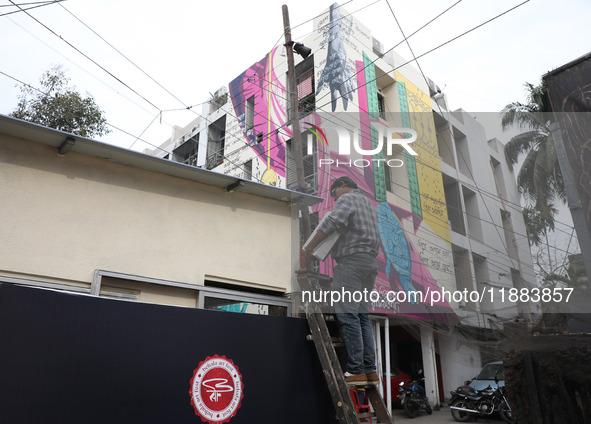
<point>410,410</point>
<point>505,413</point>
<point>428,408</point>
<point>460,416</point>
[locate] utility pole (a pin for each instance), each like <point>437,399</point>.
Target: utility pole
<point>296,139</point>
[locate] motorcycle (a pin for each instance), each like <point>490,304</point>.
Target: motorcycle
<point>466,403</point>
<point>413,398</point>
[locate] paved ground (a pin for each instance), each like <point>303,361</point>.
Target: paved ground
<point>441,416</point>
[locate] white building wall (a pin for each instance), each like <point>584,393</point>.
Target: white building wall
<point>459,362</point>
<point>69,216</point>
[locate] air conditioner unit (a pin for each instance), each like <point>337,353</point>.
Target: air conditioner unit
<point>220,97</point>
<point>220,92</point>
<point>377,47</point>
<point>433,88</point>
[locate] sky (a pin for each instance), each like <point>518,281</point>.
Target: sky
<point>146,61</point>
<point>140,57</point>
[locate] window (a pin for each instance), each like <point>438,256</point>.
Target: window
<point>463,274</point>
<point>472,214</point>
<point>306,88</point>
<point>231,298</point>
<point>498,177</point>
<point>382,106</point>
<point>248,170</point>
<point>187,152</point>
<point>388,175</point>
<point>482,281</point>
<point>509,234</point>
<point>216,142</point>
<point>454,205</point>
<point>444,142</point>
<point>310,167</point>
<point>249,116</point>
<point>463,153</point>
<point>213,295</point>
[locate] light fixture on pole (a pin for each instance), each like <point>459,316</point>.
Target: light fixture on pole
<point>299,48</point>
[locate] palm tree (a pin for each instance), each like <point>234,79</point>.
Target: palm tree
<point>539,178</point>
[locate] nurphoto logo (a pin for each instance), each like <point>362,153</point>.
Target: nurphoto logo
<point>347,139</point>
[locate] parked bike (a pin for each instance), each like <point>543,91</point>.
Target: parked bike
<point>413,398</point>
<point>467,403</point>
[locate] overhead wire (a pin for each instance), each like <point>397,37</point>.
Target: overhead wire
<point>87,57</point>
<point>440,45</point>
<point>119,80</point>
<point>167,90</point>
<point>478,189</point>
<point>503,242</point>
<point>124,56</point>
<point>519,262</point>
<point>39,4</point>
<point>518,207</point>
<point>138,136</point>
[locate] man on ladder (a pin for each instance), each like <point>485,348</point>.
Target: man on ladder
<point>355,252</point>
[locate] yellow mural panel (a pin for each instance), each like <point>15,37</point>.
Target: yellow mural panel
<point>428,166</point>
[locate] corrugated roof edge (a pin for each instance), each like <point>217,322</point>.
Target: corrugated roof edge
<point>52,137</point>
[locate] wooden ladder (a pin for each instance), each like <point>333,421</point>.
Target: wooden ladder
<point>335,379</point>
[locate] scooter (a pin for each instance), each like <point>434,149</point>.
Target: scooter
<point>413,398</point>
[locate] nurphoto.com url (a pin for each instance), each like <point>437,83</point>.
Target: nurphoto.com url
<point>431,297</point>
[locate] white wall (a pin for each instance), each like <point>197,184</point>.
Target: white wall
<point>459,362</point>
<point>64,217</point>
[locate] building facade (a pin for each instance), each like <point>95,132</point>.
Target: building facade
<point>448,208</point>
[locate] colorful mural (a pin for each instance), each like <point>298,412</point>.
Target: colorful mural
<point>336,73</point>
<point>424,173</point>
<point>413,242</point>
<point>268,134</point>
<point>416,253</point>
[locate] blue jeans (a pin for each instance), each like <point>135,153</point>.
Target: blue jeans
<point>356,273</point>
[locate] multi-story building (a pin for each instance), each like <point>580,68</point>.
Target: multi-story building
<point>448,207</point>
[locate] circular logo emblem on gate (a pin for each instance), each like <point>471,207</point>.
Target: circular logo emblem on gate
<point>216,389</point>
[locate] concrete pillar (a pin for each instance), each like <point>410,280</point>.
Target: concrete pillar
<point>429,365</point>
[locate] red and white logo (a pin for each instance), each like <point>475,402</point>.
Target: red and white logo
<point>216,390</point>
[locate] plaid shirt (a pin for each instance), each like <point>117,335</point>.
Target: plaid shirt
<point>356,217</point>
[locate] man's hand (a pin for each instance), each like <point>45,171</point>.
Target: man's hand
<point>318,237</point>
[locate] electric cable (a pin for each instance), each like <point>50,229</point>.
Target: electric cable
<point>125,57</point>
<point>86,56</point>
<point>39,4</point>
<point>442,44</point>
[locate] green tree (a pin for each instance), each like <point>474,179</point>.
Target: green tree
<point>539,178</point>
<point>573,276</point>
<point>59,106</point>
<point>538,223</point>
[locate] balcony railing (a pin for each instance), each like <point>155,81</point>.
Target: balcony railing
<point>215,159</point>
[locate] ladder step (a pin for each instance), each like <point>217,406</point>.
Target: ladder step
<point>362,415</point>
<point>336,341</point>
<point>363,386</point>
<point>335,379</point>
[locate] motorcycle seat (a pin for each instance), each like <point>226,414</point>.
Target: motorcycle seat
<point>466,391</point>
